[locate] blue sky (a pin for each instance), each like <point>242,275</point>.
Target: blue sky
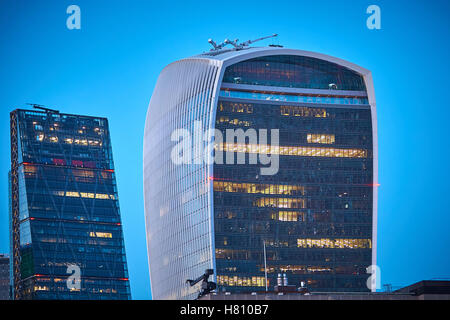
<point>110,66</point>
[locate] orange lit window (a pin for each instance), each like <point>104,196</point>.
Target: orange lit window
<point>100,234</point>
<point>303,112</point>
<point>221,186</point>
<point>287,203</point>
<point>236,281</point>
<point>335,243</point>
<point>321,138</point>
<point>292,151</point>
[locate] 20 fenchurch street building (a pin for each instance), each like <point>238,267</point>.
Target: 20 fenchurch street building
<point>66,231</point>
<point>313,218</point>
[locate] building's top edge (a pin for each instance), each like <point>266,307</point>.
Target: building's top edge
<point>58,113</point>
<point>230,56</point>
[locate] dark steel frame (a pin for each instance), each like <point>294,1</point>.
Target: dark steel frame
<point>17,287</point>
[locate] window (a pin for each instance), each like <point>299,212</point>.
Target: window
<point>294,71</point>
<point>321,138</point>
<point>100,234</point>
<point>335,243</point>
<point>292,151</point>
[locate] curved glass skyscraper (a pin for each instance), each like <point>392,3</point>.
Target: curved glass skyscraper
<point>314,117</point>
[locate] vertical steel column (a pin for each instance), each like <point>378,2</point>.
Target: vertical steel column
<point>15,204</point>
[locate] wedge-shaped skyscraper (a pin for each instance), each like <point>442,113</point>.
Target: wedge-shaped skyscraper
<point>312,218</point>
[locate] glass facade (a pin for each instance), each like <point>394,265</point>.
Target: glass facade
<point>255,95</point>
<point>294,72</point>
<point>316,216</point>
<point>177,198</point>
<point>66,208</point>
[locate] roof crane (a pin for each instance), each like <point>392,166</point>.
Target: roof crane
<point>42,107</point>
<point>215,45</point>
<point>235,44</point>
<point>223,44</point>
<point>247,43</point>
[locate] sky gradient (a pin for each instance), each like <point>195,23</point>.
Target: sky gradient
<point>109,69</point>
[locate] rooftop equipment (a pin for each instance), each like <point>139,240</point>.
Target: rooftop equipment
<point>235,44</point>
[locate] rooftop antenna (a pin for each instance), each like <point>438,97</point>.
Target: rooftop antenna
<point>42,107</point>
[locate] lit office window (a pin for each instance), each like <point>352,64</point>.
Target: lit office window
<point>100,234</point>
<point>335,243</point>
<point>292,151</point>
<point>321,138</point>
<point>287,203</point>
<point>221,186</point>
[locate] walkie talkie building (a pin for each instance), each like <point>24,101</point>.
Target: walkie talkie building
<point>66,231</point>
<point>315,214</point>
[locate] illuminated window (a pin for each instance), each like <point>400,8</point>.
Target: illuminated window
<point>277,243</point>
<point>94,142</point>
<point>72,194</point>
<point>236,281</point>
<point>321,138</point>
<point>335,243</point>
<point>101,196</point>
<point>318,269</point>
<point>89,195</point>
<point>296,269</point>
<point>100,234</point>
<point>303,112</point>
<point>40,288</point>
<point>297,98</point>
<point>30,170</point>
<point>236,107</point>
<point>83,142</point>
<point>236,122</point>
<point>221,186</point>
<point>290,216</point>
<point>287,203</point>
<point>292,151</point>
